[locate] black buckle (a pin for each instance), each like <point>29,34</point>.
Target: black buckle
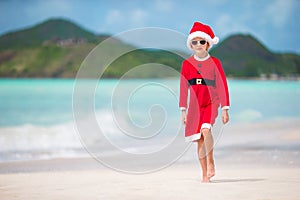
<point>202,81</point>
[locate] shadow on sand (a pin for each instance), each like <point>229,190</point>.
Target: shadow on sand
<point>237,180</point>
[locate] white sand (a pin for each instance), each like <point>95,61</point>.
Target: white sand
<point>180,181</point>
<point>254,165</point>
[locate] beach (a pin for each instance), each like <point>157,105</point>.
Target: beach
<point>67,178</point>
<point>255,171</point>
<point>249,165</point>
<point>42,156</point>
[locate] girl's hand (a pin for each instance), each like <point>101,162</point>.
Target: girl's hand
<point>183,117</point>
<point>225,116</point>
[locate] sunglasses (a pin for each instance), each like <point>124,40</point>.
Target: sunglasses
<point>195,42</point>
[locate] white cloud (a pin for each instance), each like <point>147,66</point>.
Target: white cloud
<point>164,5</point>
<point>138,17</point>
<point>216,2</point>
<point>226,25</point>
<point>113,16</point>
<point>48,8</point>
<point>280,11</point>
<point>129,18</point>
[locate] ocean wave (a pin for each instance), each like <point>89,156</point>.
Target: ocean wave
<point>30,141</point>
<point>34,141</point>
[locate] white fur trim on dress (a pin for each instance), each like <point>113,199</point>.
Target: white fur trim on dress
<point>197,136</point>
<point>193,138</point>
<point>206,125</point>
<point>225,108</point>
<point>201,59</point>
<point>182,108</point>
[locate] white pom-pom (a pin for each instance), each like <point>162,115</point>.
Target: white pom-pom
<point>215,40</point>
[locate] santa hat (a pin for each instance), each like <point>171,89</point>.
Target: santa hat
<point>203,31</point>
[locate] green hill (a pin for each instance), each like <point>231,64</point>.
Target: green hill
<point>57,47</point>
<point>51,30</point>
<point>244,56</point>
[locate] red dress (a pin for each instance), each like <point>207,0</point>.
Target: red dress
<point>204,81</point>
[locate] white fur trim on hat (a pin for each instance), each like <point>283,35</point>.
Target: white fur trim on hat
<point>204,35</point>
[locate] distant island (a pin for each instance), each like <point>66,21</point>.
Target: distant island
<point>56,48</point>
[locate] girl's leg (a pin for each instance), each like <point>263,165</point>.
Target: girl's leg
<point>208,143</point>
<point>210,164</point>
<point>202,159</point>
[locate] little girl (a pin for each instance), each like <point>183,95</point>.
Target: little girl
<point>202,75</point>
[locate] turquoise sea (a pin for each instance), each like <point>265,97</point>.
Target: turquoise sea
<point>37,115</point>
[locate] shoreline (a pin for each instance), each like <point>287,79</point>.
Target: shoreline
<point>279,78</point>
<point>233,145</point>
<point>227,157</point>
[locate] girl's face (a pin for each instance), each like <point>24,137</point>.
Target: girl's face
<point>199,45</point>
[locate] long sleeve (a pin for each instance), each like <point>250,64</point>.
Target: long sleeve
<point>221,85</point>
<point>183,86</point>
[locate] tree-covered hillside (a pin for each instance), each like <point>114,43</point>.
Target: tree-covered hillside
<point>57,47</point>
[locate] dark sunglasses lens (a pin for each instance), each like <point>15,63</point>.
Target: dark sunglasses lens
<point>203,42</point>
<point>194,42</point>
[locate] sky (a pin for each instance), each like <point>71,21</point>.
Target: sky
<point>275,23</point>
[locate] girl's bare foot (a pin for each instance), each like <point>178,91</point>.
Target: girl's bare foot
<point>205,179</point>
<point>210,169</point>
